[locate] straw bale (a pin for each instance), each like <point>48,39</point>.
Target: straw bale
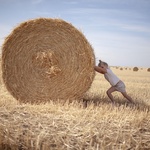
<point>135,69</point>
<point>47,59</point>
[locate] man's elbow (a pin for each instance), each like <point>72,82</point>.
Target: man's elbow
<point>96,69</point>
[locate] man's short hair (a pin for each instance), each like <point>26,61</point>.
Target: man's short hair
<point>102,62</point>
<point>105,64</point>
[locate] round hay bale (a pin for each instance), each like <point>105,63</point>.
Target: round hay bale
<point>148,69</point>
<point>135,69</point>
<point>47,59</point>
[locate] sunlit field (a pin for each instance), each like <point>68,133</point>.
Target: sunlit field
<point>71,126</point>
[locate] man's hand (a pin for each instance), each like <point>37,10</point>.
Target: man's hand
<point>100,69</point>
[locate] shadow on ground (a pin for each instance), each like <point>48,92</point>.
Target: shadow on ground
<point>97,101</point>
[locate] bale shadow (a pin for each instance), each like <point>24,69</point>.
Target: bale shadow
<point>97,102</point>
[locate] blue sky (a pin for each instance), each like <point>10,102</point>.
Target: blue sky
<point>118,30</point>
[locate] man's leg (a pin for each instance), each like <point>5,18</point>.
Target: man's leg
<point>109,91</point>
<point>127,97</point>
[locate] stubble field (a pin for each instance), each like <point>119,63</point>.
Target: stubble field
<point>70,126</point>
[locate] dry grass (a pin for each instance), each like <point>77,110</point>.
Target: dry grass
<point>60,126</point>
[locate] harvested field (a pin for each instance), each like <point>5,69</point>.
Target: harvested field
<point>60,126</point>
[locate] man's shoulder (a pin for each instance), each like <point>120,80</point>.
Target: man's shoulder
<point>108,70</point>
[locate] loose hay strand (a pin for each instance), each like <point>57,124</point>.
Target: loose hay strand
<point>47,59</point>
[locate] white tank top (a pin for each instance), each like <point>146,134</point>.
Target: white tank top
<point>111,77</point>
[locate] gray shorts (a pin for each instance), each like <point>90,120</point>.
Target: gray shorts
<point>120,86</point>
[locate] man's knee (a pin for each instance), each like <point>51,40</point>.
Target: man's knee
<point>108,92</point>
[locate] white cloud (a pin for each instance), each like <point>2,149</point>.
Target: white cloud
<point>120,19</point>
<point>37,1</point>
<point>42,13</point>
<point>71,2</point>
<point>136,28</point>
<point>120,49</point>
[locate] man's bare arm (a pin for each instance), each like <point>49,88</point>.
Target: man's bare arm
<point>100,69</point>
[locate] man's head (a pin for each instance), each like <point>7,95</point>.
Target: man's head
<point>102,64</point>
